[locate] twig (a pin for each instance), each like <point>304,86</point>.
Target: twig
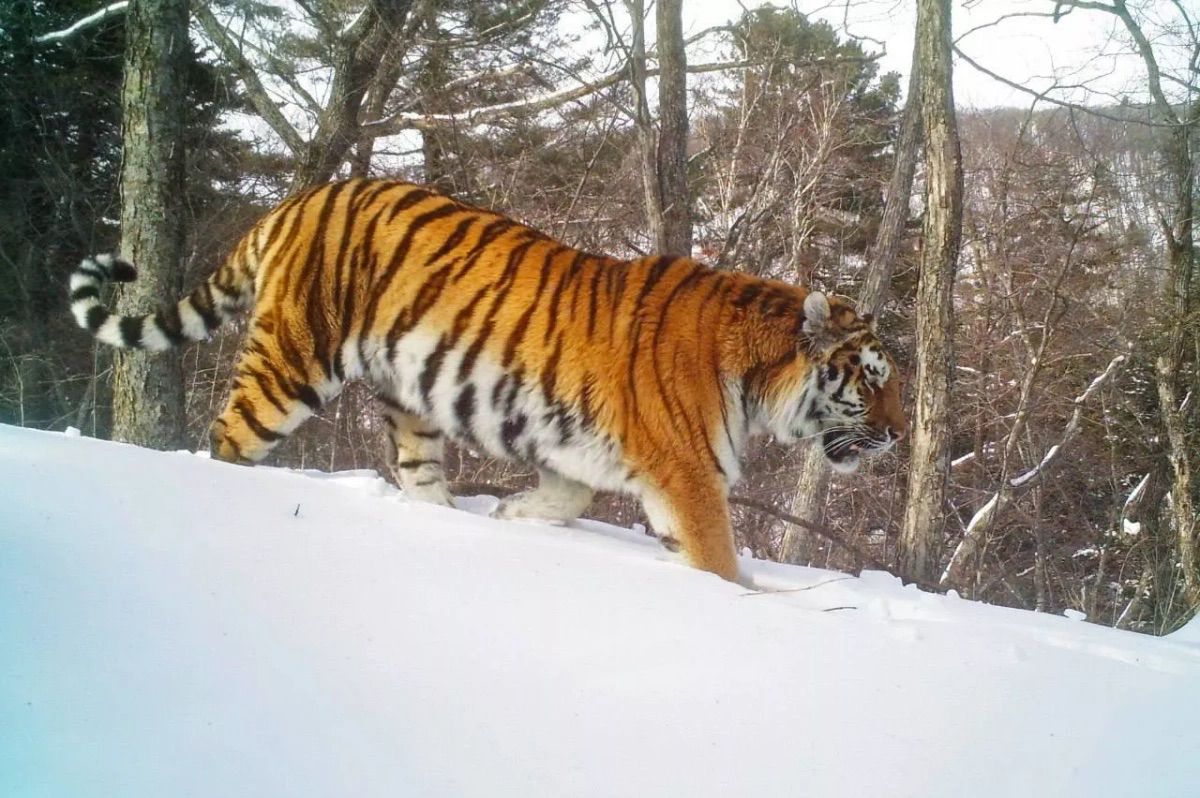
<point>861,556</point>
<point>797,589</point>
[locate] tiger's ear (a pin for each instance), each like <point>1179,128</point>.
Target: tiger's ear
<point>818,326</point>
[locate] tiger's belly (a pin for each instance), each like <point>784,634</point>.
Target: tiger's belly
<point>502,412</point>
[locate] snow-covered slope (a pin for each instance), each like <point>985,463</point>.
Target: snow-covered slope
<point>173,626</point>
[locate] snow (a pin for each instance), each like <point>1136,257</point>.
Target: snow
<point>177,626</point>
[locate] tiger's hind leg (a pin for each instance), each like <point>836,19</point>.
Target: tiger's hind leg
<point>415,453</point>
<point>269,400</point>
<point>555,499</point>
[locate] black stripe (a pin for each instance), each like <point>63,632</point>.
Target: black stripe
<point>518,334</point>
<point>131,331</point>
<point>345,252</point>
<point>464,407</point>
<point>511,430</point>
<point>697,273</point>
<point>201,300</point>
<point>587,407</point>
<point>514,388</point>
<point>550,372</point>
<point>326,351</point>
<point>306,394</point>
<point>498,389</point>
<point>427,295</point>
<point>399,256</point>
<point>747,295</point>
<point>96,316</point>
<point>409,200</point>
<point>592,296</point>
<point>431,435</point>
<point>256,426</point>
<point>502,289</point>
<point>410,464</point>
<point>169,322</point>
<point>659,270</point>
<point>490,233</point>
<point>433,364</point>
<point>85,292</point>
<point>454,239</point>
<point>564,279</point>
<point>264,387</point>
<point>712,453</point>
<point>122,271</point>
<point>362,267</point>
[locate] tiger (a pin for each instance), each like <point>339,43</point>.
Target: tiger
<point>641,376</point>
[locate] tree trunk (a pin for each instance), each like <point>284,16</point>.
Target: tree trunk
<point>1171,365</point>
<point>148,387</point>
<point>882,260</point>
<point>1182,509</point>
<point>799,545</point>
<point>922,535</point>
<point>674,195</point>
<point>645,126</point>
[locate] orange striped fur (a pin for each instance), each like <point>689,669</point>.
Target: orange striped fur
<point>642,376</point>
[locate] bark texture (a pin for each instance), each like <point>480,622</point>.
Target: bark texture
<point>922,535</point>
<point>1175,414</point>
<point>647,145</point>
<point>148,387</point>
<point>882,259</point>
<point>674,196</point>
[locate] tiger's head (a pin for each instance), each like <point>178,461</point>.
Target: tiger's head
<point>845,387</point>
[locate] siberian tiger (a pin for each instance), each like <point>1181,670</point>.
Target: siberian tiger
<point>641,376</point>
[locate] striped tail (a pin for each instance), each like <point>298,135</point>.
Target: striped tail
<point>193,318</point>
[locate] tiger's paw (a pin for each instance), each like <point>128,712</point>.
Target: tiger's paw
<point>529,506</point>
<point>437,492</point>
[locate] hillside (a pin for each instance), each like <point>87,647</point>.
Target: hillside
<point>174,626</point>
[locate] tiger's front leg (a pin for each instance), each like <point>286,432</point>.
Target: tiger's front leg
<point>692,509</point>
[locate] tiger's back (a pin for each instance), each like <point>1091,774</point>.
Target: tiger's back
<point>643,376</point>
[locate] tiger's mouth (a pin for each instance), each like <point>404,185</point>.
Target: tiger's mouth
<point>844,449</point>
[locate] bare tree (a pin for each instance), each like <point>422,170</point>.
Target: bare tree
<point>812,485</point>
<point>363,60</point>
<point>1178,289</point>
<point>646,139</point>
<point>674,192</point>
<point>922,534</point>
<point>148,387</point>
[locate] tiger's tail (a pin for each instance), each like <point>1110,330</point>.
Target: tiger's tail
<point>193,318</point>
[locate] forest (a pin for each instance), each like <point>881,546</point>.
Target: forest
<point>1032,268</point>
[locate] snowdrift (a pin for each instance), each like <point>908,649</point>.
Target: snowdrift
<point>173,626</point>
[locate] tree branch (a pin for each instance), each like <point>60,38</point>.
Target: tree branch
<point>1044,96</point>
<point>999,500</point>
<point>415,120</point>
<point>257,93</point>
<point>90,21</point>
